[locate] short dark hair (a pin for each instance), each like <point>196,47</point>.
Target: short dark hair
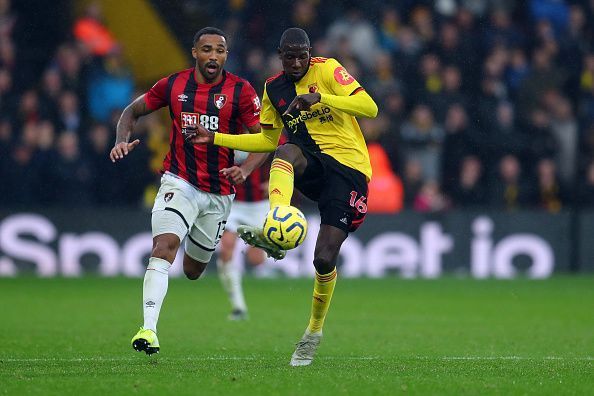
<point>294,36</point>
<point>208,30</point>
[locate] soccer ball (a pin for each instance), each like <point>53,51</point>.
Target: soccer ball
<point>285,227</point>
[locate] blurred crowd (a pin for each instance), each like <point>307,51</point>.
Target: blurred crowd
<point>483,103</point>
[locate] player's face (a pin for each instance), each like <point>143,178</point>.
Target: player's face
<point>295,60</point>
<point>210,53</point>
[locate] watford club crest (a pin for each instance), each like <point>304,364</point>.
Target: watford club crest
<point>220,100</point>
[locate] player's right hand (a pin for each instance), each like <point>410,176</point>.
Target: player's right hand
<point>235,174</point>
<point>122,149</point>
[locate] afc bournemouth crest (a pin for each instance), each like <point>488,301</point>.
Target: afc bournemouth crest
<point>168,196</point>
<point>220,100</point>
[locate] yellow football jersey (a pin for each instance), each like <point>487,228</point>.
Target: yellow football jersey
<point>322,128</point>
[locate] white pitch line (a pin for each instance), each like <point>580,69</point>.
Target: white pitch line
<point>247,358</point>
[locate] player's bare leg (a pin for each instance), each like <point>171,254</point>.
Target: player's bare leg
<point>230,277</point>
<point>156,280</point>
<point>328,245</point>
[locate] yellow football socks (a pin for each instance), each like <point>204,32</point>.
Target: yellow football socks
<point>280,186</point>
<point>322,295</point>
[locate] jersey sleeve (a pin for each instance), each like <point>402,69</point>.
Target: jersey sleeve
<point>156,97</point>
<point>339,80</point>
<point>249,106</point>
<point>269,117</point>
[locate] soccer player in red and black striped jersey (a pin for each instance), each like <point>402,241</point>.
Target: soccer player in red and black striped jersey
<point>195,198</point>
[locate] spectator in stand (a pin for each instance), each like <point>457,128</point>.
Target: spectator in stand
<point>71,174</point>
<point>564,130</point>
<point>542,142</point>
<point>422,139</point>
<point>104,191</point>
<point>358,32</point>
<point>450,94</point>
<point>509,191</point>
<point>111,86</point>
<point>469,190</point>
<point>517,70</point>
<point>543,76</point>
<point>412,181</point>
<point>428,83</point>
<point>7,97</point>
<point>385,188</point>
<point>550,195</point>
<point>50,91</point>
<point>458,143</point>
<point>69,113</point>
<point>503,137</point>
<point>585,198</point>
<point>69,62</point>
<point>586,88</point>
<point>430,198</point>
<point>92,33</point>
<point>28,109</point>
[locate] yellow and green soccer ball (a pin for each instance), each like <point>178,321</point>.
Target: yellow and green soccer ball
<point>285,227</point>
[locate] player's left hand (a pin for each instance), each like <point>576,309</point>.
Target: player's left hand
<point>304,102</point>
<point>236,174</point>
<point>198,135</point>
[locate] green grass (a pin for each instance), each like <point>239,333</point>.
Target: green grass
<point>390,336</point>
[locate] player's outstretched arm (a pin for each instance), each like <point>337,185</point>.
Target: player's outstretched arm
<point>239,174</point>
<point>359,104</point>
<point>263,142</point>
<point>126,123</point>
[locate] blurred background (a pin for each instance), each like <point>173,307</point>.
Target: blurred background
<point>482,152</point>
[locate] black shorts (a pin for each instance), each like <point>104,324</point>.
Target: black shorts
<point>340,191</point>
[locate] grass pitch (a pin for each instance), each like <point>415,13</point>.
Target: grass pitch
<point>382,337</point>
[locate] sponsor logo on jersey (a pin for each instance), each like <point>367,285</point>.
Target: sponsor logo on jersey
<point>182,97</point>
<point>292,121</point>
<point>220,100</point>
<point>342,76</point>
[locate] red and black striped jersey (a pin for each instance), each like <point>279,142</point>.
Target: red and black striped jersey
<point>224,107</point>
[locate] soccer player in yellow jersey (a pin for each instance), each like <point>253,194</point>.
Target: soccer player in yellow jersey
<point>325,158</point>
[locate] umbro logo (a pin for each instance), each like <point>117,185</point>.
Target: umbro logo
<point>150,304</point>
<point>182,97</point>
<point>344,220</point>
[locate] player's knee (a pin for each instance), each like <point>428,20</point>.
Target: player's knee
<point>324,264</point>
<point>193,268</point>
<point>165,247</point>
<point>192,274</point>
<point>292,154</point>
<point>325,258</point>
